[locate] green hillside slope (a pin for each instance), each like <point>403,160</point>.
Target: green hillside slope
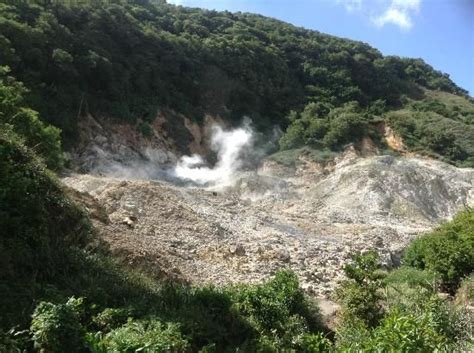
<point>128,59</point>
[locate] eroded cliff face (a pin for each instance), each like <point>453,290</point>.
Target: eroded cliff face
<point>309,218</point>
<point>108,147</point>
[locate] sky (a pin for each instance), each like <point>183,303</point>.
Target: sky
<point>439,31</point>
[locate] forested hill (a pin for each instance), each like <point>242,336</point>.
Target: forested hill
<point>129,59</point>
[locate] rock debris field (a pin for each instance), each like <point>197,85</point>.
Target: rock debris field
<point>309,218</point>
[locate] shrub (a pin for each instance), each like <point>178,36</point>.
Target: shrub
<point>56,327</point>
<point>447,251</point>
<point>269,306</point>
<point>351,335</point>
<point>293,137</point>
<point>208,315</point>
<point>435,132</point>
<point>412,277</point>
<point>145,129</point>
<point>347,124</point>
<point>111,318</point>
<point>288,340</point>
<point>400,332</point>
<point>407,287</point>
<point>454,323</point>
<point>323,126</point>
<point>360,294</point>
<point>314,343</point>
<point>145,336</point>
<point>39,225</point>
<point>465,293</point>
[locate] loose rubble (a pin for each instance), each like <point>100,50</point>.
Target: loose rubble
<point>310,218</point>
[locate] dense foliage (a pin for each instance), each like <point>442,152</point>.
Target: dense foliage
<point>447,251</point>
<point>44,139</point>
<point>37,222</point>
<point>129,59</point>
<point>401,313</point>
<point>440,125</point>
<point>359,295</point>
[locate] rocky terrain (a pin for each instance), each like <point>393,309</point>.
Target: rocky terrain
<point>309,218</point>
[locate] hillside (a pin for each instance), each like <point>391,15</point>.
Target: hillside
<point>135,60</point>
<point>177,180</point>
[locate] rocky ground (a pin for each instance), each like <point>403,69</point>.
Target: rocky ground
<point>310,218</point>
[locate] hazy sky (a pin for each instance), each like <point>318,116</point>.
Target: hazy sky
<point>439,31</point>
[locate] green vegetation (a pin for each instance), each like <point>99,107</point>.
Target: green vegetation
<point>55,327</point>
<point>401,313</point>
<point>441,125</point>
<point>359,294</point>
<point>401,310</point>
<point>448,251</point>
<point>60,290</point>
<point>128,59</point>
<point>43,139</point>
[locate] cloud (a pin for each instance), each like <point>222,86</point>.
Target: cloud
<point>399,13</point>
<point>351,5</point>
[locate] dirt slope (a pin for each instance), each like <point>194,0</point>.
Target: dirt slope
<point>309,219</point>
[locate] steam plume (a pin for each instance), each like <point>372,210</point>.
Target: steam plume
<point>229,146</point>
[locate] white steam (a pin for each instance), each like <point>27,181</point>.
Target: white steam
<point>229,146</point>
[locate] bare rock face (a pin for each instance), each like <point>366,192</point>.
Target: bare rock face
<point>111,148</point>
<point>108,148</point>
<point>310,219</point>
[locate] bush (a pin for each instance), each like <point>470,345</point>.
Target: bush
<point>293,137</point>
<point>323,126</point>
<point>56,327</point>
<point>270,306</point>
<point>465,293</point>
<point>359,295</point>
<point>400,332</point>
<point>407,287</point>
<point>145,129</point>
<point>351,335</point>
<point>111,318</point>
<point>314,343</point>
<point>447,251</point>
<point>208,315</point>
<point>412,277</point>
<point>285,340</point>
<point>145,336</point>
<point>435,132</point>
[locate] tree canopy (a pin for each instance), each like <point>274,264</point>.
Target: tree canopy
<point>127,59</point>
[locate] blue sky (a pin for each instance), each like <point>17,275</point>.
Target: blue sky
<point>439,31</point>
